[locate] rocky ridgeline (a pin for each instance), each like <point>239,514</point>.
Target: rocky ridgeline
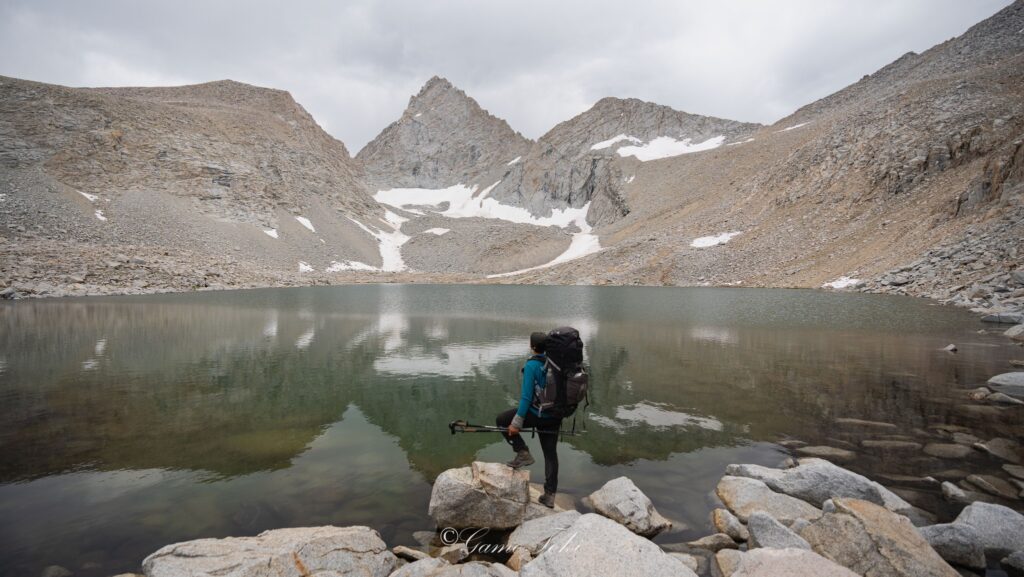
<point>805,519</point>
<point>562,169</point>
<point>982,270</point>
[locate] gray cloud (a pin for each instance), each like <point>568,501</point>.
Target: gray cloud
<point>354,64</point>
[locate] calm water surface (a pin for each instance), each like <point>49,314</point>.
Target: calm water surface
<point>133,422</point>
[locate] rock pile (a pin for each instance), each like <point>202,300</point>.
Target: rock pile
<point>808,519</point>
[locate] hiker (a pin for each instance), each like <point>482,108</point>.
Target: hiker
<point>526,415</point>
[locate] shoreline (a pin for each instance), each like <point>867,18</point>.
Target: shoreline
<point>806,512</point>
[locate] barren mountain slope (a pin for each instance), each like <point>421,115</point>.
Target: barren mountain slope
<point>226,174</point>
<point>926,152</point>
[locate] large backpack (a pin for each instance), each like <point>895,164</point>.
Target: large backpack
<point>566,377</point>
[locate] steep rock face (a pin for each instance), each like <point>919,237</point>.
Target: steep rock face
<point>443,138</point>
<point>580,160</point>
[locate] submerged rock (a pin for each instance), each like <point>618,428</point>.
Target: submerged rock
<point>596,546</point>
<point>826,452</point>
<point>1009,383</point>
<point>871,540</point>
<point>1004,449</point>
<point>865,425</point>
<point>296,551</point>
<point>994,486</point>
<point>947,450</point>
<point>621,501</point>
<point>482,495</point>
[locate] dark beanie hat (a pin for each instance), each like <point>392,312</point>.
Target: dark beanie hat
<point>537,341</point>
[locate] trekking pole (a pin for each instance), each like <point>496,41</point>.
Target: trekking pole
<point>461,426</point>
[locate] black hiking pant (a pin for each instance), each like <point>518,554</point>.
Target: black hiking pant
<point>548,442</point>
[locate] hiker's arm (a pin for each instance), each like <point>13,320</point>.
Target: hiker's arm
<point>526,395</point>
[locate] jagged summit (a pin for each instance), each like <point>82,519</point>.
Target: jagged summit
<point>434,85</point>
<point>443,138</point>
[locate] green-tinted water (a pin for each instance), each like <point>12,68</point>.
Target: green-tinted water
<point>133,422</point>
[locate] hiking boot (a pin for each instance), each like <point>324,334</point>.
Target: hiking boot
<point>547,499</point>
<point>523,458</point>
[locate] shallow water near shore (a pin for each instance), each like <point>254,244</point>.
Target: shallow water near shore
<point>134,422</point>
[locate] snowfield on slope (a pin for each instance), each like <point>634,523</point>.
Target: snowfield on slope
<point>666,147</point>
<point>464,202</point>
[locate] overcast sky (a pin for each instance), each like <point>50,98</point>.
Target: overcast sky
<point>353,65</point>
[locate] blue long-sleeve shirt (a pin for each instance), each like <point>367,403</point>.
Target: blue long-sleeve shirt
<point>533,376</point>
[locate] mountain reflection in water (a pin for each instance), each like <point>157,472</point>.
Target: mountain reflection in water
<point>133,422</point>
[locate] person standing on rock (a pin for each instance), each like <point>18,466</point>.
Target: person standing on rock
<point>526,415</point>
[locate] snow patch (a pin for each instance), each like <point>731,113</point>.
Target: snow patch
<point>437,231</point>
<point>305,222</point>
<point>841,283</point>
<point>794,127</point>
<point>463,202</point>
<point>90,197</point>
<point>417,115</point>
<point>304,267</point>
<point>706,241</point>
<point>630,179</point>
<point>99,215</point>
<point>740,142</point>
<point>272,233</point>
<point>666,146</point>
<point>514,160</point>
<point>393,219</point>
<point>338,266</point>
<point>390,246</point>
<point>615,139</point>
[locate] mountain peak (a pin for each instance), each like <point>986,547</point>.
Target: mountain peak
<point>440,89</point>
<point>444,137</point>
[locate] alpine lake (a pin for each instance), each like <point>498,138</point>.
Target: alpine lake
<point>132,422</point>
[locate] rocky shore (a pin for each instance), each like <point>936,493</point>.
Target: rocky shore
<point>806,517</point>
<point>980,271</point>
